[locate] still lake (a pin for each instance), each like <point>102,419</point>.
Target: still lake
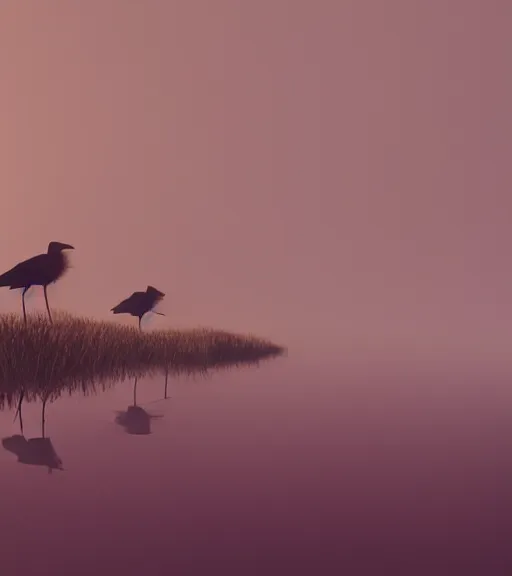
<point>295,467</point>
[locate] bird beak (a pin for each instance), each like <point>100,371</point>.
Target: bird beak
<point>67,247</point>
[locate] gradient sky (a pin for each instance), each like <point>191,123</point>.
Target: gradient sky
<point>332,174</point>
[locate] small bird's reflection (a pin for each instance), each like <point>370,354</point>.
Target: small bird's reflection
<point>135,420</point>
<point>35,451</point>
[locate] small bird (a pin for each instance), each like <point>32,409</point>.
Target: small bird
<point>41,270</point>
<point>139,303</point>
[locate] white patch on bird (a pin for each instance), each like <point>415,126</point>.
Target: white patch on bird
<point>150,318</point>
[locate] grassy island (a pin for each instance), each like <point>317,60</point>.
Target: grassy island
<point>45,359</point>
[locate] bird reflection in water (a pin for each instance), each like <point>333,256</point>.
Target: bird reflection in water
<point>135,387</point>
<point>34,451</point>
<point>136,420</point>
<point>166,380</point>
<point>18,411</point>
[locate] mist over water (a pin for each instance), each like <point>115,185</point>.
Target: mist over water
<point>333,175</point>
<point>294,467</point>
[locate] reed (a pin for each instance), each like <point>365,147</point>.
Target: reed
<point>47,359</point>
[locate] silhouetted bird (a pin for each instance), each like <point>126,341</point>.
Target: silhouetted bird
<point>135,420</point>
<point>35,451</point>
<point>139,303</point>
<point>41,270</point>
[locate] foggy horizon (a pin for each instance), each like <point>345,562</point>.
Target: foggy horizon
<point>330,175</point>
<point>340,185</point>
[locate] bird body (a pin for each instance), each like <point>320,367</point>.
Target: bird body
<point>41,270</point>
<point>134,305</point>
<point>139,303</point>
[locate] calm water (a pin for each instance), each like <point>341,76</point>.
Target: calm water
<point>292,468</point>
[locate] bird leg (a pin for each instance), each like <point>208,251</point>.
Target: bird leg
<point>47,305</point>
<point>42,416</point>
<point>23,304</point>
<point>135,391</point>
<point>136,378</point>
<point>18,410</point>
<point>166,378</point>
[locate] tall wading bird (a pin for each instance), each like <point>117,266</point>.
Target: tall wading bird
<point>41,270</point>
<point>139,303</point>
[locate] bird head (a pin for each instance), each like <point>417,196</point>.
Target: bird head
<point>54,247</point>
<point>154,296</point>
<point>154,291</point>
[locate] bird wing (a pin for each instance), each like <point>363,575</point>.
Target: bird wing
<point>128,305</point>
<point>26,273</point>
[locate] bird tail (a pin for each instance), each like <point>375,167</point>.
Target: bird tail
<point>121,308</point>
<point>7,279</point>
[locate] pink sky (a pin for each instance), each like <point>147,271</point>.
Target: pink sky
<point>332,174</point>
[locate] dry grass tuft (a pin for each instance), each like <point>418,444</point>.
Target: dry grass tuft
<point>78,353</point>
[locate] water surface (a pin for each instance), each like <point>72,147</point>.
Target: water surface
<point>291,468</point>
